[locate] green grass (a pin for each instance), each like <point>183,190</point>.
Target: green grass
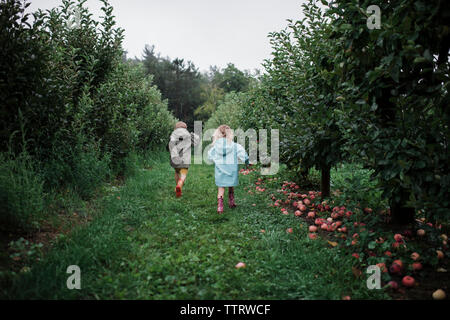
<point>146,244</point>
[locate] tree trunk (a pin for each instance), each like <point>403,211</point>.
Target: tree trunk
<point>400,213</point>
<point>325,181</point>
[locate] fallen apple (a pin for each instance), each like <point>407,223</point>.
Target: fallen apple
<point>393,285</point>
<point>415,256</point>
<point>312,236</point>
<point>408,281</point>
<point>398,237</point>
<point>395,269</point>
<point>420,232</point>
<point>399,262</point>
<point>240,265</point>
<point>439,294</point>
<point>417,266</point>
<point>382,266</point>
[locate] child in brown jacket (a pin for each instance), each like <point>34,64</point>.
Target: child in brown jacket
<point>180,144</point>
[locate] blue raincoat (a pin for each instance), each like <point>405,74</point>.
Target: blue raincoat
<point>225,155</point>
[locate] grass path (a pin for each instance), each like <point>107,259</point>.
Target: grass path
<point>146,244</point>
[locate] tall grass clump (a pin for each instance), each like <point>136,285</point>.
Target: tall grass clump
<point>21,191</point>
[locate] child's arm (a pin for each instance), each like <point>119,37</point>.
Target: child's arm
<point>212,154</point>
<point>242,154</point>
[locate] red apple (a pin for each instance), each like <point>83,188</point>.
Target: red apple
<point>408,281</point>
<point>395,269</point>
<point>398,237</point>
<point>399,262</point>
<point>393,285</point>
<point>415,256</point>
<point>312,236</point>
<point>417,266</point>
<point>382,266</point>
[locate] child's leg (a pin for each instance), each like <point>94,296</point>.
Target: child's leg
<point>177,180</point>
<point>231,197</point>
<point>220,193</point>
<point>182,178</point>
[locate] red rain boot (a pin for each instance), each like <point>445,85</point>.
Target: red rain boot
<point>178,188</point>
<point>220,205</point>
<point>231,203</point>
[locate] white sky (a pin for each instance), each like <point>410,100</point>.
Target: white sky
<point>207,32</point>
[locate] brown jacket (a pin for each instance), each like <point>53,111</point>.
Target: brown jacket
<point>180,147</point>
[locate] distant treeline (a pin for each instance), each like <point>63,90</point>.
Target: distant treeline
<point>192,95</point>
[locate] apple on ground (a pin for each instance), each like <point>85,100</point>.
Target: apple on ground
<point>408,281</point>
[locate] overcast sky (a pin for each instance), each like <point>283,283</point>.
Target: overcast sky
<point>207,32</point>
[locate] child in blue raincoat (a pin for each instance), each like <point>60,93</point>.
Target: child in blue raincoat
<point>225,154</point>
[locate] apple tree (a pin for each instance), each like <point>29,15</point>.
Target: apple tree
<point>299,94</point>
<point>394,84</point>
